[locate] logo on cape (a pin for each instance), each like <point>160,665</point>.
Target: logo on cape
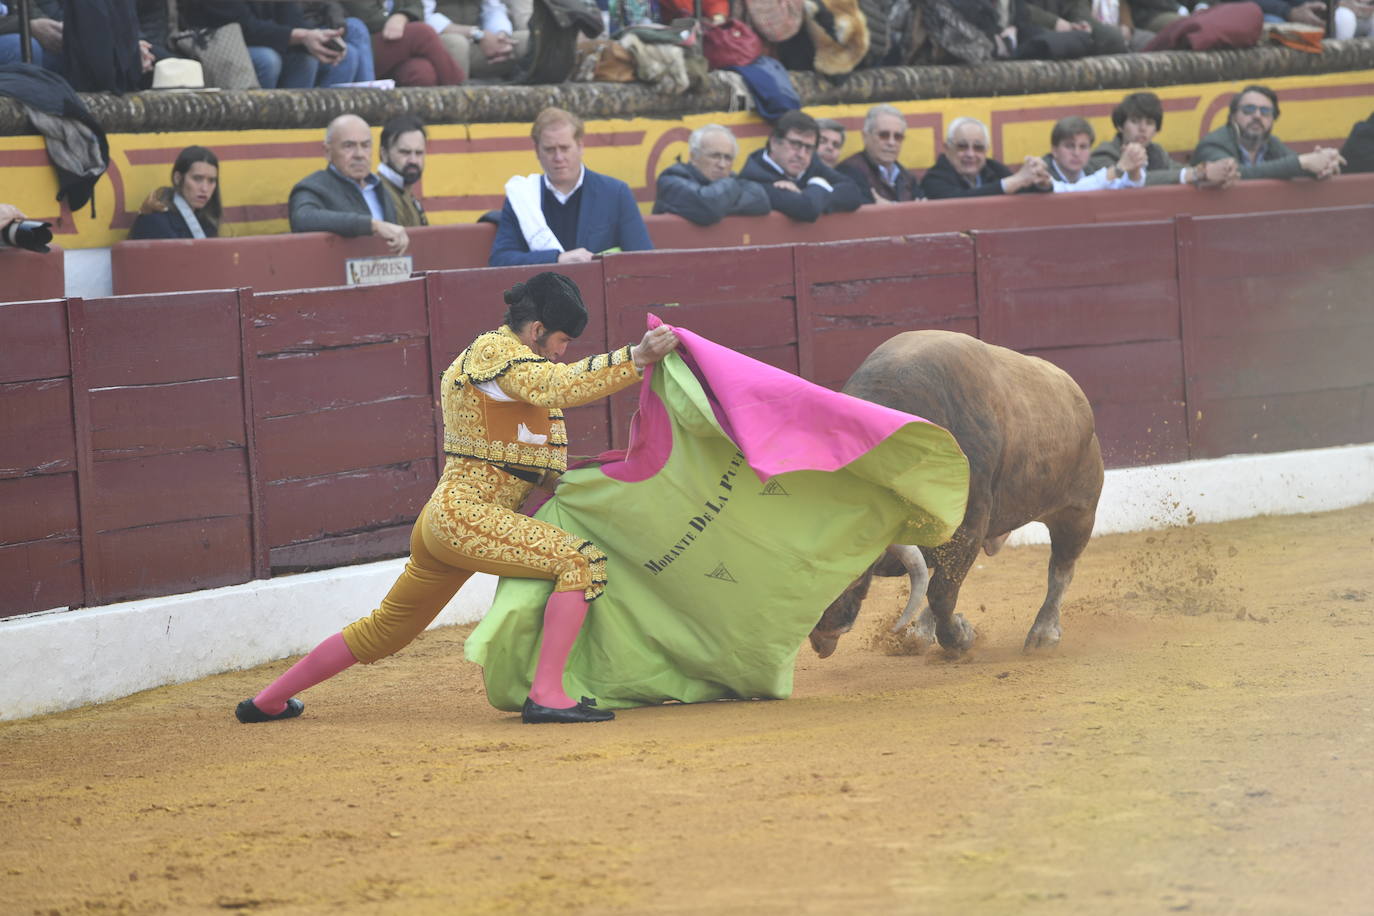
<point>773,488</point>
<point>721,573</point>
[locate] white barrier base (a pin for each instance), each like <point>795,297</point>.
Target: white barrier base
<point>62,659</point>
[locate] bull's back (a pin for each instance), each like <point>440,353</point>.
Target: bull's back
<point>1024,424</point>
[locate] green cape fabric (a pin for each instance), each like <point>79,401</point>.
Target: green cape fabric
<point>716,577</point>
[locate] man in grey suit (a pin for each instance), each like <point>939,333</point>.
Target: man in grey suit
<point>346,198</point>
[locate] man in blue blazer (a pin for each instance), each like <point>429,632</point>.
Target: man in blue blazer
<point>569,213</point>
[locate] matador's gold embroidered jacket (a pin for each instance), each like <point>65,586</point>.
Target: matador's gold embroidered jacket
<point>524,432</point>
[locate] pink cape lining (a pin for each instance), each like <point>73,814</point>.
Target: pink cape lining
<point>779,421</point>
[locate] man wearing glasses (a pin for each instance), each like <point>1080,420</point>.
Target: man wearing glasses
<point>880,177</point>
<point>1248,138</point>
<point>796,181</point>
<point>702,189</point>
<point>964,169</point>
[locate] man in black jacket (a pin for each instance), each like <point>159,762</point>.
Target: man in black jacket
<point>346,198</point>
<point>798,183</point>
<point>880,177</point>
<point>964,169</point>
<point>703,189</point>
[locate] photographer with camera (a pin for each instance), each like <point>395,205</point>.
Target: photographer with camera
<point>18,231</point>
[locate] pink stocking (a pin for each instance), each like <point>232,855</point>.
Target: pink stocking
<point>563,617</point>
<point>324,661</point>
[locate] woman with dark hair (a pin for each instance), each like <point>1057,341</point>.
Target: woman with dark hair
<point>190,208</point>
<point>503,435</point>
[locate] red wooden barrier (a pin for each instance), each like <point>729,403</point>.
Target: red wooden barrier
<point>162,460</point>
<point>40,547</point>
<point>28,275</point>
<point>1192,337</point>
<point>276,262</point>
<point>342,397</point>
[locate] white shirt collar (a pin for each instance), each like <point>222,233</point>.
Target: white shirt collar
<point>559,195</point>
<point>769,159</point>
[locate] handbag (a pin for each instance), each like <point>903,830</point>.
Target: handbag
<point>731,44</point>
<point>222,52</point>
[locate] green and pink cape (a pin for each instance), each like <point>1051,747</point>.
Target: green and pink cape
<point>748,499</point>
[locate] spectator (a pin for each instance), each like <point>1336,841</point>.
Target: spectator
<point>798,183</point>
<point>1248,138</point>
<point>703,189</point>
<point>964,169</point>
<point>1354,19</point>
<point>9,213</point>
<point>1138,118</point>
<point>403,164</point>
<point>346,198</point>
<point>356,65</point>
<point>1071,143</point>
<point>403,47</point>
<point>569,213</point>
<point>880,177</point>
<point>190,208</point>
<point>1358,150</point>
<point>45,33</point>
<point>484,38</point>
<point>286,52</point>
<point>1076,16</point>
<point>831,143</point>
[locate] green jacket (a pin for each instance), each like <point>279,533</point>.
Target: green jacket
<point>1279,161</point>
<point>374,15</point>
<point>1159,167</point>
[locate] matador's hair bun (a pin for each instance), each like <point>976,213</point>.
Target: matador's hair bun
<point>549,298</point>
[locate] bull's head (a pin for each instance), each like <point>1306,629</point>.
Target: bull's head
<point>838,619</point>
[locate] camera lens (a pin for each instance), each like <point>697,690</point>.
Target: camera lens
<point>29,234</point>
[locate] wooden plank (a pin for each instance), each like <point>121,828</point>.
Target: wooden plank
<point>345,438</point>
<point>733,277</point>
<point>1136,391</point>
<point>338,316</point>
<point>747,326</point>
<point>382,544</point>
<point>257,524</point>
<point>1088,315</point>
<point>1284,422</point>
<point>1311,359</point>
<point>1284,302</point>
<point>38,436</point>
<point>1068,256</point>
<point>157,419</point>
<point>164,488</point>
<point>318,507</point>
<point>301,381</point>
<point>905,302</point>
<point>150,340</point>
<point>35,340</point>
<point>40,575</point>
<point>589,426</point>
<point>168,559</point>
<point>1293,242</point>
<point>869,259</point>
<point>34,508</point>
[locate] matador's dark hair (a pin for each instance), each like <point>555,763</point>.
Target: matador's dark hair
<point>549,298</point>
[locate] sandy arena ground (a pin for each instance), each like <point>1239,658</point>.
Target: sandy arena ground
<point>1202,742</point>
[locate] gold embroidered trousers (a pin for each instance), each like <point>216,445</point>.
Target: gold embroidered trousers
<point>472,524</point>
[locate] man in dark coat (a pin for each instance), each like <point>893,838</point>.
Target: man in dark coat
<point>796,181</point>
<point>1359,147</point>
<point>1248,137</point>
<point>964,169</point>
<point>880,177</point>
<point>346,198</point>
<point>703,189</point>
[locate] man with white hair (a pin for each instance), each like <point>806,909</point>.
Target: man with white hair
<point>703,189</point>
<point>964,169</point>
<point>876,171</point>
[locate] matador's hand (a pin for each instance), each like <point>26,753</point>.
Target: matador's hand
<point>657,343</point>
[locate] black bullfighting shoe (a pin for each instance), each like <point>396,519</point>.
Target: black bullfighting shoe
<point>247,712</point>
<point>534,714</point>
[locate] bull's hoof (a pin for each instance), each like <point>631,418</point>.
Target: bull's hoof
<point>958,636</point>
<point>1042,637</point>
